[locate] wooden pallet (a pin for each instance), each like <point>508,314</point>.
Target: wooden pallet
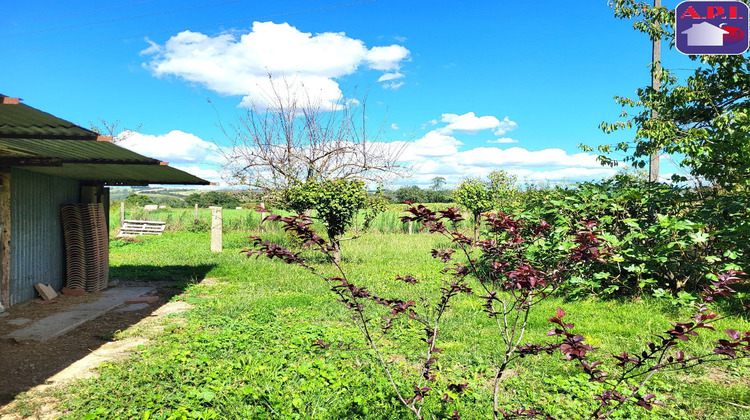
<point>141,227</point>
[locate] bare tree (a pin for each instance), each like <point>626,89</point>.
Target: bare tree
<point>292,138</point>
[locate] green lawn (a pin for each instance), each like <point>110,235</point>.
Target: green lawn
<point>245,351</point>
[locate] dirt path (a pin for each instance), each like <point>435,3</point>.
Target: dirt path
<point>33,368</point>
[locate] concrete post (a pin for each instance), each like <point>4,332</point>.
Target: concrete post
<point>262,216</point>
<point>216,232</point>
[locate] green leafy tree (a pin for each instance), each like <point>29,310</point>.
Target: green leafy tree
<point>193,199</point>
<point>138,200</point>
<point>503,190</point>
<point>411,193</point>
<point>335,202</point>
<point>441,196</point>
<point>213,198</point>
<point>436,193</point>
<point>437,183</point>
<point>477,196</point>
<point>220,198</point>
<point>376,203</point>
<point>474,195</point>
<point>705,118</point>
<point>301,198</point>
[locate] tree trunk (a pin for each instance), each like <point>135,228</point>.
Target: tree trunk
<point>477,219</point>
<point>336,253</point>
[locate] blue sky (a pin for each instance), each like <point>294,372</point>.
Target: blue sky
<point>473,86</point>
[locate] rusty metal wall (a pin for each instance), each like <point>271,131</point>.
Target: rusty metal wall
<point>36,245</point>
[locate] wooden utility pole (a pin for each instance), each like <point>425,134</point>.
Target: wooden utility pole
<point>653,167</point>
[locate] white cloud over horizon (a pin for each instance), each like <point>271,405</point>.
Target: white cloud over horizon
<point>184,151</point>
<point>174,147</point>
<point>440,153</point>
<point>212,175</point>
<point>240,66</point>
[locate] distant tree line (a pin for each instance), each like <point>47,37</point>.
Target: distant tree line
<point>415,194</point>
<point>213,198</point>
<point>225,199</point>
<point>249,198</point>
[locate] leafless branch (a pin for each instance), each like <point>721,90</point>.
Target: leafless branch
<point>293,138</point>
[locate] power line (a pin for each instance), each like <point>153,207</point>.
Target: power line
<point>80,25</point>
<point>144,35</point>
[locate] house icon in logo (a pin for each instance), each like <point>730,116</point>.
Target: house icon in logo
<point>705,34</point>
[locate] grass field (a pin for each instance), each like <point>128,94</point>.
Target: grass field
<point>245,350</point>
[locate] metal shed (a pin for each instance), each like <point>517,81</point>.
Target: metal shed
<point>46,162</point>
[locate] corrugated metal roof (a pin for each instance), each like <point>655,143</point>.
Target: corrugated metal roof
<point>20,120</point>
<point>43,143</point>
<point>71,151</point>
<point>121,174</point>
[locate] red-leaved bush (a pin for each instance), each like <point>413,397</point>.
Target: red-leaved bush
<point>501,272</point>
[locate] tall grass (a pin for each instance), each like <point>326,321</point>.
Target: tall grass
<point>247,220</point>
<point>243,220</point>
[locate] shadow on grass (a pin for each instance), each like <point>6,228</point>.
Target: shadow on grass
<point>31,363</point>
<point>148,273</point>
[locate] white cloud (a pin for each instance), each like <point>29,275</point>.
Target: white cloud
<point>438,153</point>
<point>503,140</point>
<point>470,123</point>
<point>392,85</point>
<point>505,125</point>
<point>519,157</point>
<point>394,126</point>
<point>390,76</point>
<point>386,58</point>
<point>465,164</point>
<point>433,144</point>
<point>564,175</point>
<point>174,147</point>
<point>232,66</point>
<point>183,151</point>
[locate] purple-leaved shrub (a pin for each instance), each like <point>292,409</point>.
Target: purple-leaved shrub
<point>510,279</point>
